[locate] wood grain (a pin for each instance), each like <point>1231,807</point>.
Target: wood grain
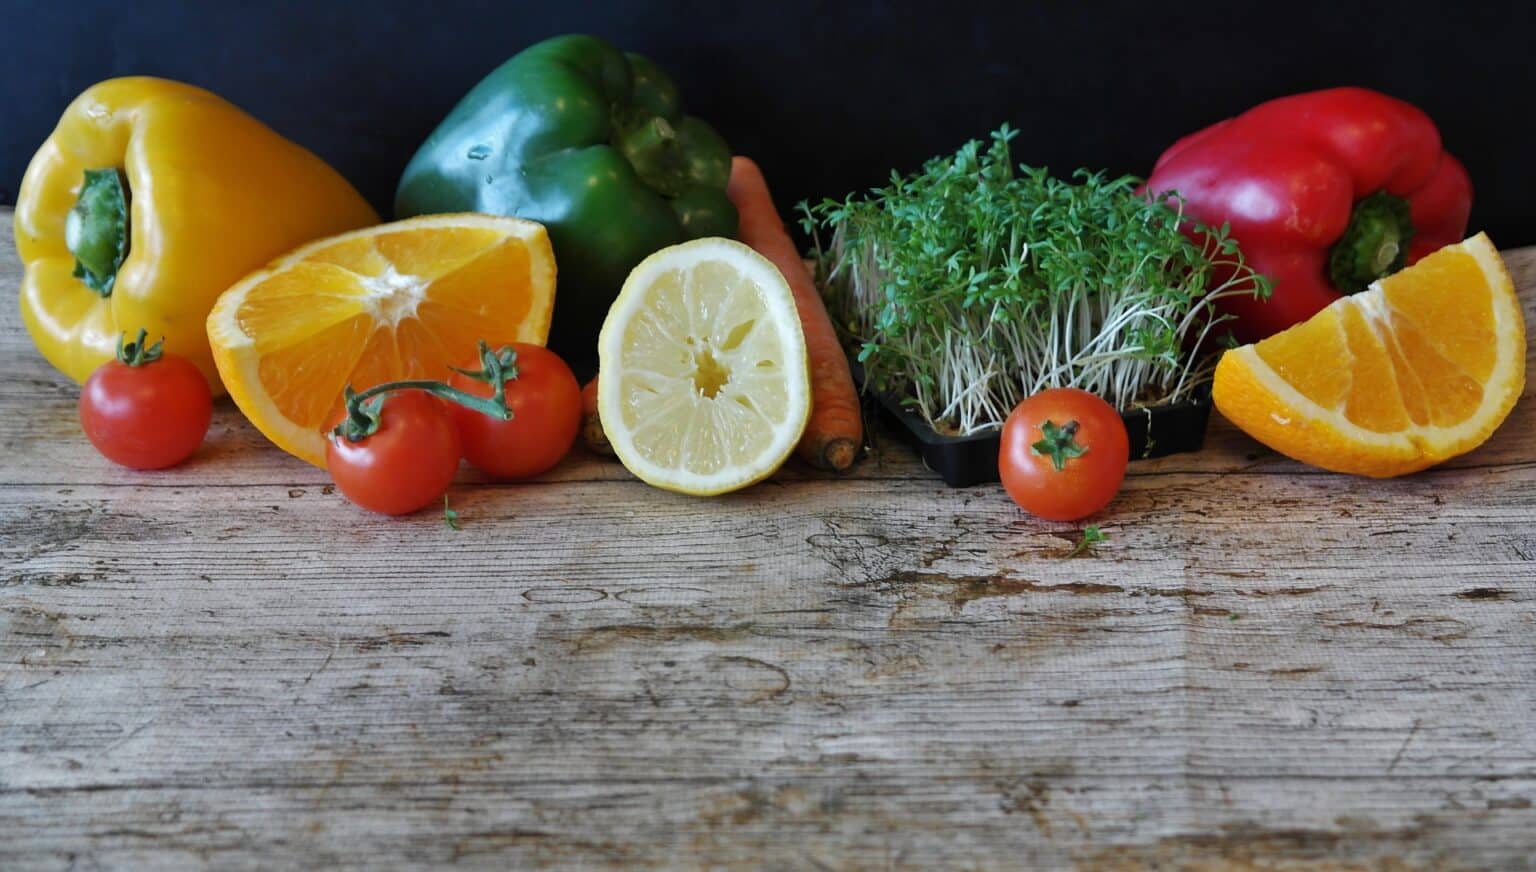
<point>1265,667</point>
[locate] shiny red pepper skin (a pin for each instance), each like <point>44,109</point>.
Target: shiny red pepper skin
<point>1287,176</point>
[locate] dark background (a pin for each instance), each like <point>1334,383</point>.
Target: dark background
<point>828,96</point>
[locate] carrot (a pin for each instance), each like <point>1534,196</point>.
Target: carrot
<point>835,431</point>
<point>591,424</point>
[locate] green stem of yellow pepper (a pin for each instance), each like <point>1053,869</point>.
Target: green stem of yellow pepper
<point>96,231</point>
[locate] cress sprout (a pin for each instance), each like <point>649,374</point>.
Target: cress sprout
<point>970,285</point>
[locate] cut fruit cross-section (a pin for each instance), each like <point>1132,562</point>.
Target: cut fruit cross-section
<point>401,300</point>
<point>705,384</point>
<point>1421,367</point>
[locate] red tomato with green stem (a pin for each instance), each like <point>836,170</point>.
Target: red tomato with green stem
<point>407,460</point>
<point>395,447</point>
<point>1064,453</point>
<point>146,409</point>
<point>545,402</point>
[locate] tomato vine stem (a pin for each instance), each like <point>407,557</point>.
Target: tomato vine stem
<point>497,368</point>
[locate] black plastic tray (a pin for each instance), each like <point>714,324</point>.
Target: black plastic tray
<point>963,461</point>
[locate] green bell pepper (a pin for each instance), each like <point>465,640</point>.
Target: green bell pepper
<point>591,142</point>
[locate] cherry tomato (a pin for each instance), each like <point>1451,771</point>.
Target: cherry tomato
<point>148,415</point>
<point>406,464</point>
<point>545,400</point>
<point>1064,453</point>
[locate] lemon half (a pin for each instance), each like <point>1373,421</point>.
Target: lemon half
<point>705,382</point>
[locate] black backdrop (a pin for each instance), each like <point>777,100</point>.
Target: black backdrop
<point>828,96</point>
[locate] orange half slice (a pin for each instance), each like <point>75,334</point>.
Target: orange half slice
<point>401,300</point>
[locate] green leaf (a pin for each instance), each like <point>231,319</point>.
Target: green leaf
<point>1090,537</point>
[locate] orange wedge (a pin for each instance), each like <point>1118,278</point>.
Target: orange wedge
<point>401,300</point>
<point>1421,367</point>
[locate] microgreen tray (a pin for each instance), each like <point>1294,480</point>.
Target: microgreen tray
<point>963,461</point>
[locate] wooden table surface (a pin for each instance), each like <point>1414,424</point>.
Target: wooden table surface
<point>1265,667</point>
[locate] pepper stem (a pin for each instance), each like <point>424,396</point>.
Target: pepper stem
<point>1059,443</point>
<point>651,146</point>
<point>364,407</point>
<point>96,230</point>
<point>1375,243</point>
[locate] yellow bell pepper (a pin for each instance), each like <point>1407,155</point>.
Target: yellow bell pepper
<point>150,198</point>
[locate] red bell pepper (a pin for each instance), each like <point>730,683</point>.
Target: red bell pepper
<point>1325,192</point>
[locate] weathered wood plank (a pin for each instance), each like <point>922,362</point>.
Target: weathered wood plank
<point>1041,822</point>
<point>227,665</point>
<point>712,668</point>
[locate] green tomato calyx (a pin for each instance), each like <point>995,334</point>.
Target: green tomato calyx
<point>137,352</point>
<point>1059,443</point>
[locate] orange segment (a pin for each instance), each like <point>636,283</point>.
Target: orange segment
<point>359,255</point>
<point>1368,405</point>
<point>304,379</point>
<point>1459,328</point>
<point>1421,367</point>
<point>326,294</point>
<point>402,300</point>
<point>1292,353</point>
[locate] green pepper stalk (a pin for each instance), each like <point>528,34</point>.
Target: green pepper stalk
<point>96,230</point>
<point>1375,244</point>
